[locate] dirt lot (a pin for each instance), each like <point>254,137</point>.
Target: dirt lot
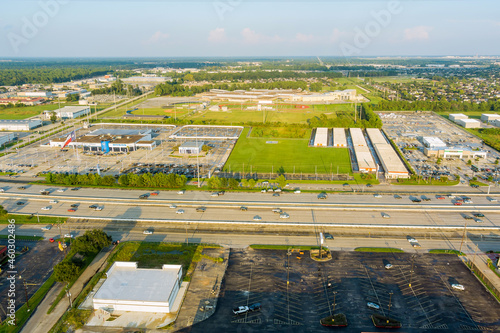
<point>350,280</point>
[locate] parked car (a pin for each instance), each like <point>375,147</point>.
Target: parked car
<point>373,306</point>
<point>68,236</point>
<point>255,307</point>
<point>240,310</point>
<point>458,286</point>
<point>388,266</point>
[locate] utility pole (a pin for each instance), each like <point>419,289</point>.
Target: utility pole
<point>390,299</point>
<point>463,237</point>
<point>411,273</point>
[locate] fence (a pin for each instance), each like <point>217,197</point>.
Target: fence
<point>288,176</point>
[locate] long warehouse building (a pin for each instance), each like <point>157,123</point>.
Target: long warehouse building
<point>391,162</point>
<point>321,137</point>
<point>339,140</point>
<point>357,137</point>
<point>365,159</point>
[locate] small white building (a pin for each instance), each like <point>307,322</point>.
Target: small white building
<point>68,112</point>
<point>19,125</point>
<point>469,123</point>
<point>129,288</point>
<point>191,147</point>
<point>433,143</point>
<point>339,139</point>
<point>321,137</point>
<point>456,116</point>
<point>489,117</point>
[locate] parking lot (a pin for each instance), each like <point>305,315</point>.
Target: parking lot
<point>33,267</point>
<point>405,128</point>
<point>296,292</point>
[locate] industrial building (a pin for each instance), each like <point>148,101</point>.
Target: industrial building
<point>469,123</point>
<point>68,112</point>
<point>6,137</point>
<point>30,101</point>
<point>129,288</point>
<point>456,116</point>
<point>489,117</point>
<point>330,96</point>
<point>110,140</point>
<point>19,125</point>
<point>364,159</point>
<point>191,147</point>
<point>376,136</point>
<point>321,137</point>
<point>339,139</point>
<point>391,162</point>
<point>357,137</point>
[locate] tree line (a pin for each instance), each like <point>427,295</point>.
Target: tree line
<point>14,77</point>
<point>118,88</point>
<point>132,180</point>
<point>384,105</point>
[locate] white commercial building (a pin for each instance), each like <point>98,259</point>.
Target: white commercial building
<point>456,116</point>
<point>469,123</point>
<point>128,288</point>
<point>339,139</point>
<point>489,117</point>
<point>391,162</point>
<point>376,136</point>
<point>433,143</point>
<point>364,159</point>
<point>191,147</point>
<point>69,112</point>
<point>19,125</point>
<point>330,96</point>
<point>321,137</point>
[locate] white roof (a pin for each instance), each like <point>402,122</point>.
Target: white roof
<point>455,115</point>
<point>339,137</point>
<point>433,141</point>
<point>375,136</point>
<point>469,120</point>
<point>389,158</point>
<point>128,283</point>
<point>357,137</point>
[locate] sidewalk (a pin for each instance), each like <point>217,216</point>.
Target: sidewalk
<point>40,321</point>
<point>482,269</point>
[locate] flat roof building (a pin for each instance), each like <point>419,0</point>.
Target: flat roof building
<point>191,147</point>
<point>456,116</point>
<point>391,162</point>
<point>6,137</point>
<point>489,117</point>
<point>432,142</point>
<point>364,159</point>
<point>469,123</point>
<point>455,152</point>
<point>339,139</point>
<point>376,136</point>
<point>19,125</point>
<point>321,137</point>
<point>129,288</point>
<point>68,112</point>
<point>357,137</point>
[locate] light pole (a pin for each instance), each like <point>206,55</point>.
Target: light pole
<point>411,272</point>
<point>390,299</point>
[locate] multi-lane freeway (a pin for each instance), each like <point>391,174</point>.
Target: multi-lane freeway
<point>305,208</point>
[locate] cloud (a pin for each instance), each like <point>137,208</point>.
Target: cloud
<point>420,32</point>
<point>303,38</point>
<point>252,37</point>
<point>337,35</point>
<point>156,37</point>
<point>218,35</point>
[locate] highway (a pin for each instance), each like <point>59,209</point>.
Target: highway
<point>304,209</point>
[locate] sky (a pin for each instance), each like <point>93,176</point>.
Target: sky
<point>210,28</point>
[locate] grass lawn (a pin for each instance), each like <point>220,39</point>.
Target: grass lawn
<point>27,219</point>
<point>287,153</point>
<point>154,255</point>
<point>27,111</point>
<point>286,113</point>
<point>283,247</point>
<point>120,111</point>
<point>377,249</point>
<point>448,251</point>
<point>478,183</point>
<point>161,112</point>
<point>423,182</point>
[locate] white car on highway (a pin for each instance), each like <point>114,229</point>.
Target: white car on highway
<point>180,211</point>
<point>377,195</point>
<point>47,228</point>
<point>181,192</point>
<point>296,191</point>
<point>385,215</point>
<point>60,190</point>
<point>98,208</point>
<point>173,206</point>
<point>284,216</point>
<point>46,208</point>
<point>53,201</point>
<point>147,232</point>
<point>68,236</point>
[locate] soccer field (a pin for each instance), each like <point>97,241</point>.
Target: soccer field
<point>262,155</point>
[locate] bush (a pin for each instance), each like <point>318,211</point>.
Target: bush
<point>65,271</point>
<point>91,241</point>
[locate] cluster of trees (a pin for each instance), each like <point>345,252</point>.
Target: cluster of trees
<point>174,88</point>
<point>118,88</point>
<point>263,75</point>
<point>384,105</point>
<point>132,180</point>
<point>171,180</point>
<point>89,243</point>
<point>12,77</point>
<point>369,119</point>
<point>290,131</point>
<point>316,86</point>
<point>220,183</point>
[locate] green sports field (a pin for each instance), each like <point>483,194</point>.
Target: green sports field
<point>265,157</point>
